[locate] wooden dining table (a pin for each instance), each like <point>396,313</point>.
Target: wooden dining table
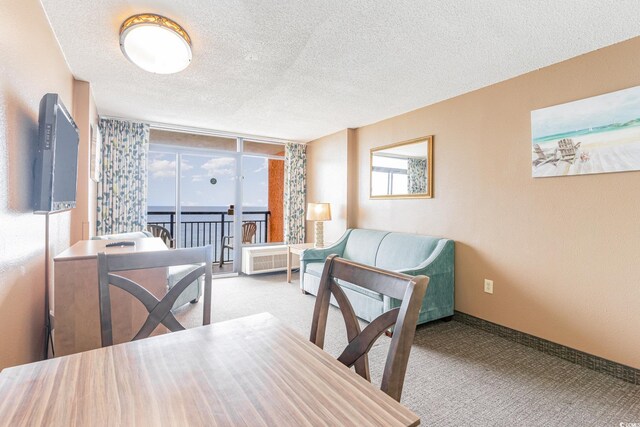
<point>252,371</point>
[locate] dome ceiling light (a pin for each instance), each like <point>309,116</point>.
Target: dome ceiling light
<point>155,43</point>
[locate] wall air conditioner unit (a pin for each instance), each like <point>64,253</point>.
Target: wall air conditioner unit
<point>266,259</point>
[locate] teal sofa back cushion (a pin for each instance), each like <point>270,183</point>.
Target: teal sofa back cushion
<point>362,245</point>
<point>398,251</point>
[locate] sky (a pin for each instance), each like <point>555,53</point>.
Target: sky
<point>614,107</point>
<point>197,172</point>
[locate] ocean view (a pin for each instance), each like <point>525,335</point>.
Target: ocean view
<point>588,131</point>
<point>203,225</point>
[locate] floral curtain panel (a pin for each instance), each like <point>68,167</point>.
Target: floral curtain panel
<point>122,192</point>
<point>417,176</point>
<point>295,192</point>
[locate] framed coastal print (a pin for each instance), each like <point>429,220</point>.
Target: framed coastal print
<point>600,134</point>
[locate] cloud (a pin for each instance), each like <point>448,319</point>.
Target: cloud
<point>162,168</point>
<point>159,168</point>
<point>223,166</point>
<point>264,166</point>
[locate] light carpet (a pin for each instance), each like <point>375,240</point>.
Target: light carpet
<point>457,375</point>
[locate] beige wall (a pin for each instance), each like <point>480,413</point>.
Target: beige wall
<point>83,217</point>
<point>563,252</point>
<point>327,168</point>
<point>31,66</point>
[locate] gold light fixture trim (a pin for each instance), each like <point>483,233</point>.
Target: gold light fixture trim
<point>143,55</point>
<point>152,19</point>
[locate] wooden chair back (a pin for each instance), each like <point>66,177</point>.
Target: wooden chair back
<point>409,289</point>
<point>163,233</point>
<point>159,310</point>
<point>248,232</point>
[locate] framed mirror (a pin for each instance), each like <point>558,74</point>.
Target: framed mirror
<point>402,170</point>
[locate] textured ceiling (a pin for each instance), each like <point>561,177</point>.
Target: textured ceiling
<point>302,69</point>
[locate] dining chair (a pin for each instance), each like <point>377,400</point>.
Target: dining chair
<point>409,289</point>
<point>159,310</point>
<point>248,233</point>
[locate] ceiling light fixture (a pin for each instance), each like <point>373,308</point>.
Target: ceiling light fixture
<point>155,43</point>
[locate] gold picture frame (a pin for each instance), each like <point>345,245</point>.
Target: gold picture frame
<point>402,165</point>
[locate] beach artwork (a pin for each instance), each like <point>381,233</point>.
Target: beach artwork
<point>600,134</point>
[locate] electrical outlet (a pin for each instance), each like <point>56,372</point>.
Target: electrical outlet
<point>488,286</point>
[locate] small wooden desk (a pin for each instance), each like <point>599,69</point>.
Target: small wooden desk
<point>75,295</point>
<point>248,371</point>
<point>295,250</point>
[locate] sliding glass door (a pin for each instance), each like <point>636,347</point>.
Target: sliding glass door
<point>207,199</point>
<point>162,190</point>
<point>192,193</point>
<point>227,199</point>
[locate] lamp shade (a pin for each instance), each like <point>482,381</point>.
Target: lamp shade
<point>318,212</point>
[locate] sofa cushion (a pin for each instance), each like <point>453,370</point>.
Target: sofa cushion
<point>360,290</point>
<point>400,250</point>
<point>362,246</point>
<point>315,268</point>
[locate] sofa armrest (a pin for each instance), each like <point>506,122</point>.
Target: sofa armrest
<point>440,261</point>
<point>320,254</point>
<point>439,267</point>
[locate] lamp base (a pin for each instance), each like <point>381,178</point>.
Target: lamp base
<point>319,235</point>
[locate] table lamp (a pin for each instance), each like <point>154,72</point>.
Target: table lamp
<point>319,212</point>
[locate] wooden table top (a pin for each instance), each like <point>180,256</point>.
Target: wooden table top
<point>249,371</point>
<point>85,249</point>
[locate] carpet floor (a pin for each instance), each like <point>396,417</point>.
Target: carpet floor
<point>457,375</point>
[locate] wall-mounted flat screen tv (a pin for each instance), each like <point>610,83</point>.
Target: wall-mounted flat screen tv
<point>56,168</point>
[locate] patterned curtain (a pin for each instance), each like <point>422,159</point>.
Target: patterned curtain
<point>417,176</point>
<point>295,192</point>
<point>122,192</point>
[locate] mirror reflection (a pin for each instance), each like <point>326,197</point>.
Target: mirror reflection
<point>402,170</point>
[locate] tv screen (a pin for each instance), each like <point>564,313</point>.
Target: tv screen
<point>56,168</point>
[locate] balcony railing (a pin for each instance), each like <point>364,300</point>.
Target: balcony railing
<point>209,228</point>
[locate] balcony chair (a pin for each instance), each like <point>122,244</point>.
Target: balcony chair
<point>163,233</point>
<point>248,233</point>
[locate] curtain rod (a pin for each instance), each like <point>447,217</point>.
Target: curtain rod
<point>207,132</point>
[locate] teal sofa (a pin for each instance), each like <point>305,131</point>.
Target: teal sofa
<point>405,253</point>
<point>174,274</point>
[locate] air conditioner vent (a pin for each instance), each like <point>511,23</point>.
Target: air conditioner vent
<point>266,259</point>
